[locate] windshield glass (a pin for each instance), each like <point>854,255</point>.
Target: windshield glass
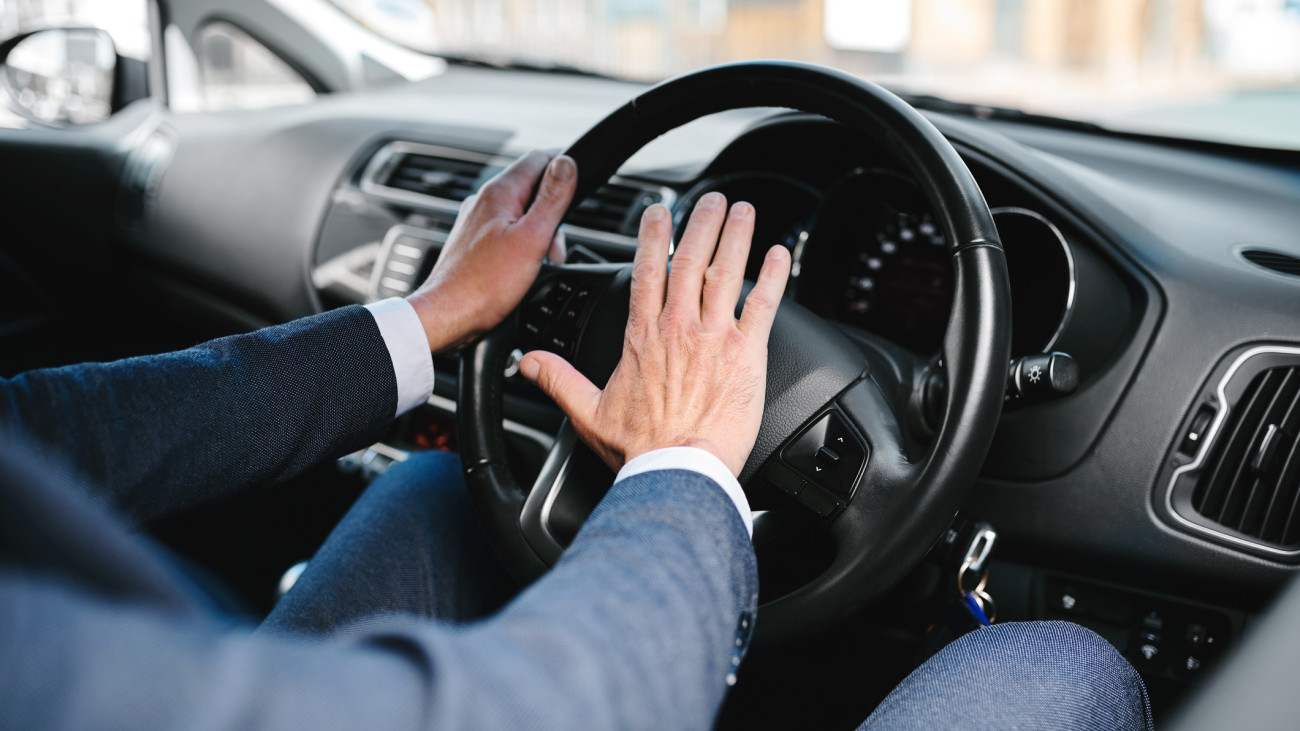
<point>1223,70</point>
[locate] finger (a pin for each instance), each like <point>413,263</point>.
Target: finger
<point>570,390</point>
<point>553,196</point>
<point>559,250</point>
<point>650,267</point>
<point>765,297</point>
<point>694,253</point>
<point>723,278</point>
<point>513,186</point>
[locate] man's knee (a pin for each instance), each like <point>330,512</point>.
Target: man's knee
<point>1026,674</point>
<point>428,487</point>
<point>433,475</point>
<point>1071,667</point>
<point>1061,650</point>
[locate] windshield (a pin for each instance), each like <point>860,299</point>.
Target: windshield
<point>1222,70</point>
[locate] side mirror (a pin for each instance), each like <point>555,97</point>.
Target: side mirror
<point>60,76</point>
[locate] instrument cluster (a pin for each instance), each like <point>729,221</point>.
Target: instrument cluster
<point>870,252</point>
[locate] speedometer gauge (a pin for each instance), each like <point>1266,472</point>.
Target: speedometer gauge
<point>900,239</point>
<point>876,259</point>
<point>880,261</point>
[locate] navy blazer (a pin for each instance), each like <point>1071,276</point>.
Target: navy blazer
<point>635,628</point>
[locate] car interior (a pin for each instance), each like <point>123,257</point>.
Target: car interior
<point>1097,424</point>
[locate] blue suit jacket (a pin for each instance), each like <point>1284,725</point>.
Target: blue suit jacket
<point>635,628</point>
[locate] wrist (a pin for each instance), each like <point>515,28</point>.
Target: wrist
<point>444,323</point>
<point>706,445</point>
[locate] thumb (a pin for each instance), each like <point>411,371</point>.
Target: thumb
<point>575,395</point>
<point>553,197</point>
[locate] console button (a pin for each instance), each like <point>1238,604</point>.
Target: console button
<point>1191,443</point>
<point>1190,664</point>
<point>1153,620</point>
<point>1203,638</point>
<point>1148,657</point>
<point>1067,599</point>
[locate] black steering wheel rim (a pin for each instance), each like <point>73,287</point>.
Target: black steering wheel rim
<point>889,525</point>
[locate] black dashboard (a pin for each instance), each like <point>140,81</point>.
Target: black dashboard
<point>1137,257</point>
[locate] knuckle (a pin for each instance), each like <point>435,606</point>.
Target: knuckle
<point>671,318</point>
<point>759,300</point>
<point>645,270</point>
<point>699,332</point>
<point>718,274</point>
<point>685,258</point>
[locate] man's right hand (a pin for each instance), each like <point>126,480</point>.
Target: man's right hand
<point>691,373</point>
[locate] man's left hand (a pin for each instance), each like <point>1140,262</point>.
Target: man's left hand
<point>495,250</point>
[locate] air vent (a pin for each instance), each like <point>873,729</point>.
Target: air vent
<point>1282,263</point>
<point>1251,480</point>
<point>439,177</point>
<point>614,208</point>
<point>428,176</point>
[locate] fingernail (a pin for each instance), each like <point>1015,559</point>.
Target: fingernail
<point>742,210</point>
<point>530,368</point>
<point>654,213</point>
<point>563,168</point>
<point>711,200</point>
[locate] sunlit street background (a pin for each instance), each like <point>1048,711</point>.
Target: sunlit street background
<point>1222,69</point>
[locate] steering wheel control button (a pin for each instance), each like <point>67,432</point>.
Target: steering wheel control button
<point>552,316</point>
<point>819,501</point>
<point>784,479</point>
<point>828,453</point>
<point>828,456</point>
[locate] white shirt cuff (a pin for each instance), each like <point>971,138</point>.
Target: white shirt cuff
<point>408,346</point>
<point>695,460</point>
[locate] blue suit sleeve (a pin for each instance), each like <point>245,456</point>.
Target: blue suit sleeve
<point>159,433</point>
<point>635,628</point>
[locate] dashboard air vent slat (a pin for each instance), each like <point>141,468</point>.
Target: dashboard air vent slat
<point>1253,475</point>
<point>613,208</point>
<point>440,177</point>
<point>1280,524</point>
<point>1278,262</point>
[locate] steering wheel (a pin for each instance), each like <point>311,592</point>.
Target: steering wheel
<point>833,435</point>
